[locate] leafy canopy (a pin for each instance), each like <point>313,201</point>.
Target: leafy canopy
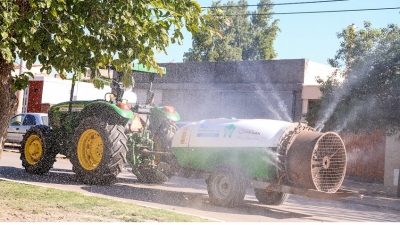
<point>369,96</point>
<point>74,35</point>
<point>245,37</point>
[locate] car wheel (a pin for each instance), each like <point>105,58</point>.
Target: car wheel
<point>270,198</point>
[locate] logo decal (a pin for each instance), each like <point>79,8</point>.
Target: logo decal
<point>228,131</point>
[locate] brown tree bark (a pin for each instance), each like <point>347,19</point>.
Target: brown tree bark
<point>8,100</point>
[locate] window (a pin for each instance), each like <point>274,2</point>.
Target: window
<point>16,120</point>
<point>29,120</point>
<point>45,120</point>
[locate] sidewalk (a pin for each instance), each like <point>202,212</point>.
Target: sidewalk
<point>370,194</point>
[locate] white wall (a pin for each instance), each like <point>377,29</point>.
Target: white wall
<point>314,70</point>
<point>56,90</point>
<point>35,70</point>
<point>392,163</point>
<point>310,85</point>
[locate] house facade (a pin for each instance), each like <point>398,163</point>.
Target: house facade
<point>270,89</point>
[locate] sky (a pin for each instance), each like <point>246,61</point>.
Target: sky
<point>308,36</point>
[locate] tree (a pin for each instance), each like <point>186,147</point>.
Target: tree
<point>368,98</point>
<point>73,36</point>
<point>243,38</point>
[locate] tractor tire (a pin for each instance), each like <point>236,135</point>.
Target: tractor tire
<point>36,150</point>
<point>99,151</point>
<point>270,198</point>
<point>162,143</point>
<point>226,187</point>
<point>163,136</point>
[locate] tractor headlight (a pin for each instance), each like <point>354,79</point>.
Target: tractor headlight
<point>129,97</point>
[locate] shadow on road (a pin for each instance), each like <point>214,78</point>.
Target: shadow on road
<point>130,189</point>
<point>55,176</point>
<point>188,200</point>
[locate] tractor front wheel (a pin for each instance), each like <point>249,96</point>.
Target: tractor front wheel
<point>270,198</point>
<point>36,150</point>
<point>99,151</point>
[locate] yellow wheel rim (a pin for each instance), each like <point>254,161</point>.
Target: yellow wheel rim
<point>90,149</point>
<point>33,149</point>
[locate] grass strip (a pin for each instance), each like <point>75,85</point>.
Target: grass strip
<point>29,203</point>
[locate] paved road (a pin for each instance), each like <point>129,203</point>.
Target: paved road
<point>190,196</point>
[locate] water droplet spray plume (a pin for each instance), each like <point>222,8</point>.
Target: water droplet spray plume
<point>341,91</point>
<point>268,91</point>
<point>354,113</point>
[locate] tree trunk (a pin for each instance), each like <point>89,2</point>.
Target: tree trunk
<point>8,100</point>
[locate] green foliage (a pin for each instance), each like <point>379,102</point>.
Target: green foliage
<point>21,81</point>
<point>244,37</point>
<point>73,36</point>
<point>369,96</point>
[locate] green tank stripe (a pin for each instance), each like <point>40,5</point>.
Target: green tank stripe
<point>255,162</point>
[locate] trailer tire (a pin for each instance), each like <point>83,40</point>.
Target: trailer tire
<point>270,198</point>
<point>99,151</point>
<point>226,186</point>
<point>150,176</point>
<point>36,150</point>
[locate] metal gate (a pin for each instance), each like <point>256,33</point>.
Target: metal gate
<point>365,155</point>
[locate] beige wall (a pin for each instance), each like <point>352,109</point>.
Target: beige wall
<point>392,163</point>
<point>311,92</point>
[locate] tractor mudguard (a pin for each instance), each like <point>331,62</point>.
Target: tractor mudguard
<point>160,114</point>
<point>108,111</point>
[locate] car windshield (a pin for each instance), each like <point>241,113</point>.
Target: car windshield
<point>45,120</point>
<point>16,120</point>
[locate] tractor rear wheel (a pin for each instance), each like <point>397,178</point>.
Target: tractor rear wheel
<point>270,198</point>
<point>226,187</point>
<point>36,150</point>
<point>99,151</point>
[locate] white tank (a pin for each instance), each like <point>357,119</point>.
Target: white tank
<point>230,133</point>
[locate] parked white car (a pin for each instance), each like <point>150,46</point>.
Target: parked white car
<point>20,123</point>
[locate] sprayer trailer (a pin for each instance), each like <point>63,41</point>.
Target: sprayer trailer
<point>276,158</point>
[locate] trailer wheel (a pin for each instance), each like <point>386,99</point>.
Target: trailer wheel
<point>270,198</point>
<point>36,150</point>
<point>226,187</point>
<point>99,151</point>
<point>150,176</point>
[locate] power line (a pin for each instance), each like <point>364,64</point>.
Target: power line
<point>329,11</point>
<point>272,4</point>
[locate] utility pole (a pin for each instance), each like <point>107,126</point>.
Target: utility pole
<point>398,184</point>
<point>20,93</point>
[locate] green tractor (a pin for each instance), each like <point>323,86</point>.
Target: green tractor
<point>101,136</point>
